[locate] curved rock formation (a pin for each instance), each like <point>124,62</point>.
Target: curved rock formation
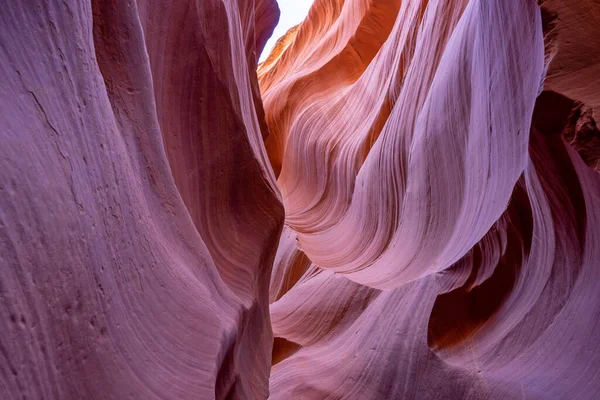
<point>122,276</point>
<point>442,199</point>
<point>402,202</point>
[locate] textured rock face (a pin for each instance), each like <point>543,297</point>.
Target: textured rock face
<point>122,277</point>
<point>437,186</point>
<point>438,164</point>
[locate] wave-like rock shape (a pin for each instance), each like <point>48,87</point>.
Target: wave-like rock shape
<point>439,182</point>
<point>139,217</point>
<point>438,162</point>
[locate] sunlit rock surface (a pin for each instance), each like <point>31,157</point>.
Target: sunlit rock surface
<point>437,186</point>
<point>438,163</point>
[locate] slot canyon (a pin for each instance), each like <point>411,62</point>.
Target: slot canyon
<point>402,201</point>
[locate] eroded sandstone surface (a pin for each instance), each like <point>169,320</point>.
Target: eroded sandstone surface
<point>401,202</point>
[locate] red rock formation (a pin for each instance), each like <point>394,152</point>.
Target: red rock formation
<point>123,277</point>
<point>441,197</point>
<point>438,163</point>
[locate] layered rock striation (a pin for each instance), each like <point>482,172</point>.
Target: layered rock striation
<point>401,202</point>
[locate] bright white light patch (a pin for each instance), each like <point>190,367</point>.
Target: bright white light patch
<point>292,13</point>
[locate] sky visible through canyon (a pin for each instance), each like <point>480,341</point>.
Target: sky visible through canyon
<point>292,13</point>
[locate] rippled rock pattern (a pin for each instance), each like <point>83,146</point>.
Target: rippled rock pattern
<point>402,202</point>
